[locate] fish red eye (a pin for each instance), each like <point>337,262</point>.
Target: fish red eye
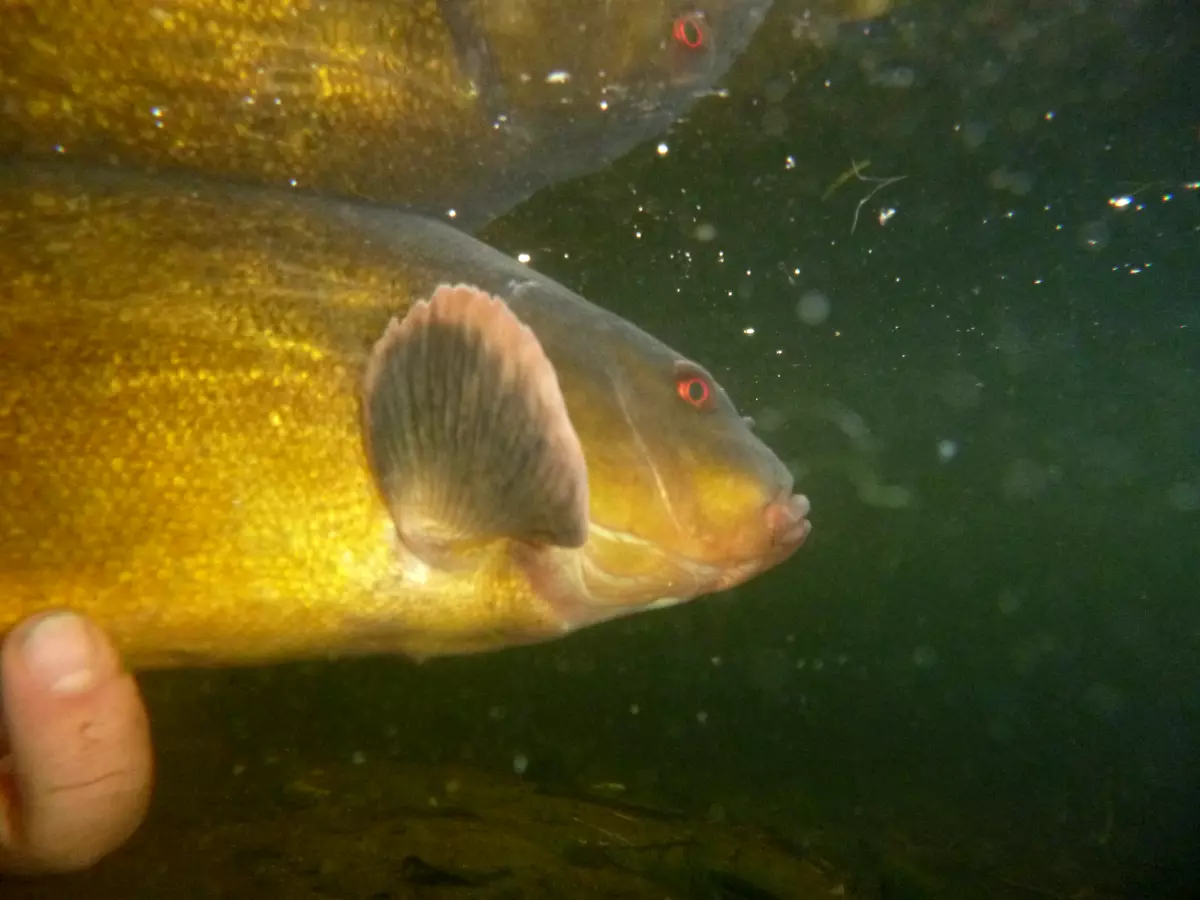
<point>690,31</point>
<point>694,390</point>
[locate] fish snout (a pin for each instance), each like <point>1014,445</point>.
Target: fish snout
<point>787,520</point>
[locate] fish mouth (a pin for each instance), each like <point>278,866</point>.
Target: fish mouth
<point>787,520</point>
<point>781,527</point>
<point>787,527</point>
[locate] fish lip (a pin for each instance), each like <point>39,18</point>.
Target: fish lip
<point>787,523</point>
<point>787,519</point>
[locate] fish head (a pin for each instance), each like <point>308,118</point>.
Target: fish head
<point>684,499</point>
<point>519,418</point>
<point>598,79</point>
<point>649,52</point>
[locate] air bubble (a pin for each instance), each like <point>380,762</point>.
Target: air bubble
<point>974,134</point>
<point>1095,235</point>
<point>813,308</point>
<point>774,122</point>
<point>924,657</point>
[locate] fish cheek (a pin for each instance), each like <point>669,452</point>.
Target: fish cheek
<point>619,484</point>
<point>729,486</point>
<point>648,489</point>
<point>711,481</point>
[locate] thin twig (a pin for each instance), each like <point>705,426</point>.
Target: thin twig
<point>880,184</point>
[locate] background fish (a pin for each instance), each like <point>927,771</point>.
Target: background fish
<point>222,436</point>
<point>464,105</point>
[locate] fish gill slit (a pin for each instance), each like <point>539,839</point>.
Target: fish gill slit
<point>644,451</point>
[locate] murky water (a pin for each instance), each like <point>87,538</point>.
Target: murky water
<point>949,261</point>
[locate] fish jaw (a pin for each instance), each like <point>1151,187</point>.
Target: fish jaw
<point>788,527</point>
<point>787,520</point>
<point>579,590</point>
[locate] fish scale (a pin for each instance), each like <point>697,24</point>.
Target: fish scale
<point>181,431</point>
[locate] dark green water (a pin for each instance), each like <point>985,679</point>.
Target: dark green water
<point>1017,647</point>
<point>980,676</point>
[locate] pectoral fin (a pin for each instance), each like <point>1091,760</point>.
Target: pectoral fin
<point>467,429</point>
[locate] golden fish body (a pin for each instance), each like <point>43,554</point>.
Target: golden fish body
<point>464,105</point>
<point>182,447</point>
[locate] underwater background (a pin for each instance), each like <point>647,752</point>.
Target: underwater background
<point>949,261</point>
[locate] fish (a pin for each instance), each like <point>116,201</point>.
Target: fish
<point>239,426</point>
<point>455,108</point>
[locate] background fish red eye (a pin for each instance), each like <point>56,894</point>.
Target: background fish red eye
<point>690,30</point>
<point>695,390</point>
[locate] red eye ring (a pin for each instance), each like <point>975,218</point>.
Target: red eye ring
<point>694,390</point>
<point>689,30</point>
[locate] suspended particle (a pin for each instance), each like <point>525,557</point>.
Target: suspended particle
<point>813,308</point>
